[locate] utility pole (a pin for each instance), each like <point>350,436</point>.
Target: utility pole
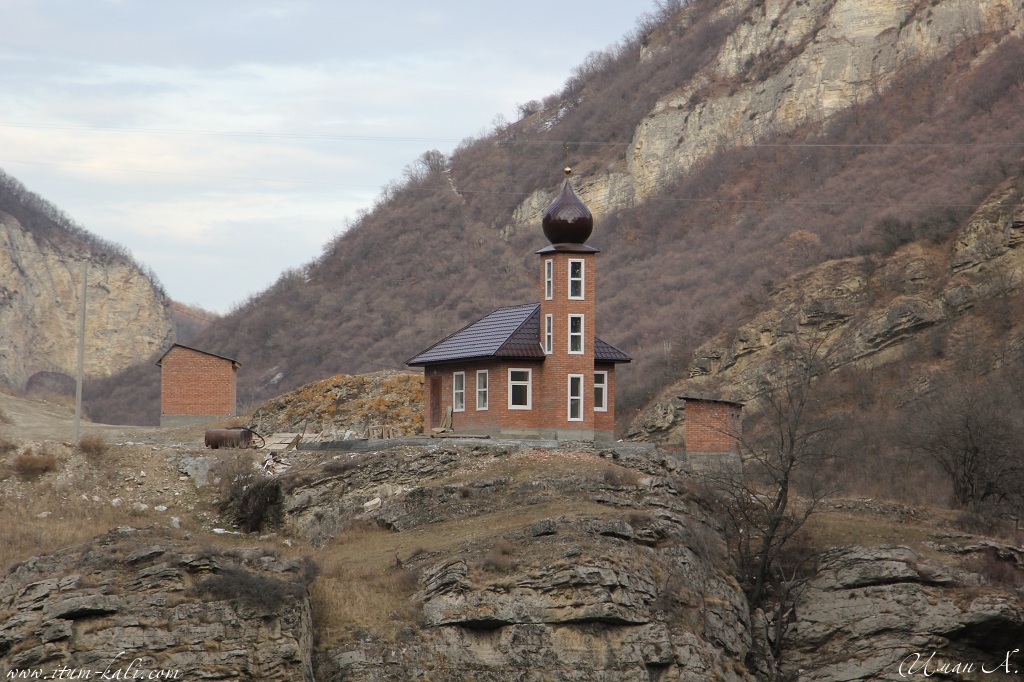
<point>81,355</point>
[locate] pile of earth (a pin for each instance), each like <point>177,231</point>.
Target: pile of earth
<point>333,407</point>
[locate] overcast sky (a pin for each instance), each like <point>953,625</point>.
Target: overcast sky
<point>226,140</point>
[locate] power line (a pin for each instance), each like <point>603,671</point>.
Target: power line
<point>228,133</point>
<point>401,138</point>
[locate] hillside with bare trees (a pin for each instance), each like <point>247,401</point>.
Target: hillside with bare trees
<point>723,147</point>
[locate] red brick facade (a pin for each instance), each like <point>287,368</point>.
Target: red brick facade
<point>195,385</point>
<point>711,426</point>
<point>549,413</point>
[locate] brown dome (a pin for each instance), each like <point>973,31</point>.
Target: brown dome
<point>567,220</point>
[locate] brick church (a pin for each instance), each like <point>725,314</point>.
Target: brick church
<point>535,370</point>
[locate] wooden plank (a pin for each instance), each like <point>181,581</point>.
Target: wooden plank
<point>279,442</point>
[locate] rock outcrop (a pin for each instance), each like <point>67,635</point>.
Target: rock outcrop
<point>567,565</point>
<point>871,310</point>
<point>786,64</point>
<point>884,613</point>
<point>127,318</point>
<point>141,601</point>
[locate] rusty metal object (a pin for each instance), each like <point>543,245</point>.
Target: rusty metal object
<point>239,437</point>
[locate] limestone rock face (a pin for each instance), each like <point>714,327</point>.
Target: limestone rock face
<point>127,319</point>
<point>871,610</point>
<point>869,309</point>
<point>784,65</point>
<point>593,566</point>
<point>135,600</point>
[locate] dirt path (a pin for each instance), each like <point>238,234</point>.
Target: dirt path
<point>38,420</point>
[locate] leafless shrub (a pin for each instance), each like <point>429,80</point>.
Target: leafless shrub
<point>251,589</point>
<point>7,446</point>
<point>995,569</point>
<point>975,523</point>
<point>93,446</point>
<point>405,579</point>
<point>251,500</point>
<point>31,466</point>
<point>620,476</point>
<point>499,559</point>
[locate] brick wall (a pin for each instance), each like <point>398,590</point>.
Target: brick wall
<point>554,399</point>
<point>497,415</point>
<point>196,383</point>
<point>550,387</point>
<point>711,426</point>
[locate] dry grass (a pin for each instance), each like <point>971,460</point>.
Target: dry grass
<point>839,529</point>
<point>620,476</point>
<point>31,466</point>
<point>71,521</point>
<point>360,585</point>
<point>499,559</point>
<point>93,446</point>
<point>7,446</point>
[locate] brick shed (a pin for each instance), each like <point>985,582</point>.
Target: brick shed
<point>712,430</point>
<point>195,386</point>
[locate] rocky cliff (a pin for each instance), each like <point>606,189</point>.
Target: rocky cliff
<point>127,318</point>
<point>143,602</point>
<point>890,613</point>
<point>785,65</point>
<point>461,560</point>
<point>875,312</point>
<point>517,563</point>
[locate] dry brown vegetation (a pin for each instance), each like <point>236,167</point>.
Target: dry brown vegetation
<point>31,466</point>
<point>93,446</point>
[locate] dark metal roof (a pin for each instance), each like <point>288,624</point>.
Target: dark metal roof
<point>236,363</point>
<point>512,332</point>
<point>505,333</point>
<point>606,352</point>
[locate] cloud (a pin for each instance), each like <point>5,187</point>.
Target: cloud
<point>191,132</point>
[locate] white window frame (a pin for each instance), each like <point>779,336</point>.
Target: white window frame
<point>482,394</point>
<point>601,384</point>
<point>577,335</point>
<point>575,397</point>
<point>549,279</point>
<point>580,279</point>
<point>458,394</point>
<point>549,334</point>
<point>529,388</point>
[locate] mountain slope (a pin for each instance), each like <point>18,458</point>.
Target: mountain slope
<point>721,150</point>
<point>42,254</point>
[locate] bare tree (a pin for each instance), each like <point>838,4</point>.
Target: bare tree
<point>971,428</point>
<point>786,440</point>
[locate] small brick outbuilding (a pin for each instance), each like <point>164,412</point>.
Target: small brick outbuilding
<point>712,429</point>
<point>195,386</point>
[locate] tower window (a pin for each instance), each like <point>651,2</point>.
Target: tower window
<point>549,333</point>
<point>575,397</point>
<point>519,389</point>
<point>576,279</point>
<point>549,279</point>
<point>600,391</point>
<point>576,334</point>
<point>459,392</point>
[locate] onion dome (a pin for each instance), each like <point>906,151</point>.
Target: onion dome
<point>567,220</point>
